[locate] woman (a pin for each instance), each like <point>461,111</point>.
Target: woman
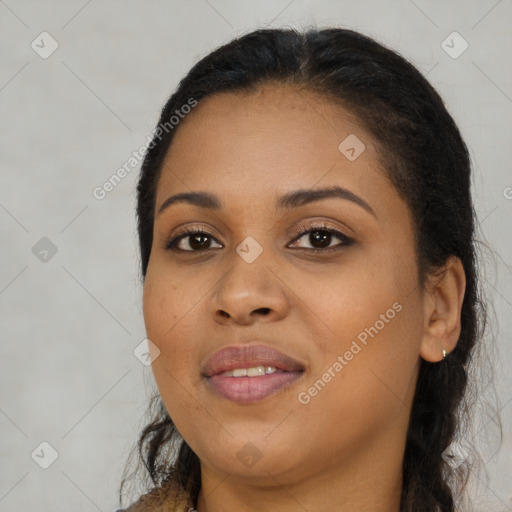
<point>310,294</point>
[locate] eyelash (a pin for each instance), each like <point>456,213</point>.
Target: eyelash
<point>301,231</point>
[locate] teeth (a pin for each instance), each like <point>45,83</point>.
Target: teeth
<point>255,371</point>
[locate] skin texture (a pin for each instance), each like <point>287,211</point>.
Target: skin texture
<point>342,450</point>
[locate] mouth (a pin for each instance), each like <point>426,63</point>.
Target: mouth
<point>249,373</point>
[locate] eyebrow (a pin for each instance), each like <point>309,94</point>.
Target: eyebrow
<point>287,201</point>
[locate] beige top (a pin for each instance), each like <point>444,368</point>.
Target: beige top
<point>168,498</point>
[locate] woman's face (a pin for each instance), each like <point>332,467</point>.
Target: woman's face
<point>346,321</point>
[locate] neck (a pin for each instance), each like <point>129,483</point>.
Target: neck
<point>371,481</point>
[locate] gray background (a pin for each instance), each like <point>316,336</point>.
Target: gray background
<point>69,324</point>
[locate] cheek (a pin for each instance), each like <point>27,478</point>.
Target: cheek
<point>371,318</point>
<point>168,326</point>
<point>343,301</point>
<point>167,317</point>
<point>166,306</point>
<point>361,388</point>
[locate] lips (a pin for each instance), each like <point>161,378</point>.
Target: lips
<point>249,356</point>
<point>282,370</point>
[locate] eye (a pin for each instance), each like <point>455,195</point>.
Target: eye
<point>320,236</point>
<point>198,240</point>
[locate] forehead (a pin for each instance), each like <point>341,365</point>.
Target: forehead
<point>266,142</point>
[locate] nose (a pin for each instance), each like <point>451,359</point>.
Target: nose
<point>250,292</point>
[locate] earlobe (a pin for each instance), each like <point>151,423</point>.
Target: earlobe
<point>444,295</point>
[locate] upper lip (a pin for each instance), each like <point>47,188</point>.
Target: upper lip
<point>248,356</point>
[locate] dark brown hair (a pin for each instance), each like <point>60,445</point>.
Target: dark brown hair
<point>426,160</point>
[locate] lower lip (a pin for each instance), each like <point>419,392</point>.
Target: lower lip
<point>246,390</point>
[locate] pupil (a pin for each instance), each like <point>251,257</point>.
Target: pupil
<point>199,245</point>
<point>319,237</point>
<point>316,237</point>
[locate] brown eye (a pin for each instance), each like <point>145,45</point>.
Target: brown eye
<point>320,238</point>
<point>198,240</point>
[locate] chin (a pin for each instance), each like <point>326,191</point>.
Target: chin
<point>255,458</point>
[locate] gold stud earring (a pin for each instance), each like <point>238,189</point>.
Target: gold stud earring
<point>444,353</point>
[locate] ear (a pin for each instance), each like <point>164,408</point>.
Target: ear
<point>442,306</point>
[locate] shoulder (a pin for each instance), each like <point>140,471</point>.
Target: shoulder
<point>168,498</point>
